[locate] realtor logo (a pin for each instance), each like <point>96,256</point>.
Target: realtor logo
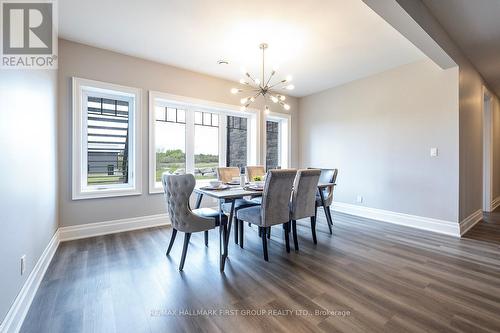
<point>28,34</point>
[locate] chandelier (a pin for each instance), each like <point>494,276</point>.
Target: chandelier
<point>254,87</point>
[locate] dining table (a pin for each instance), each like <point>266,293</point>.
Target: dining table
<point>229,194</point>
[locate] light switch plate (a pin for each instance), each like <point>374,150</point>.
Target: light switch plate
<point>434,152</point>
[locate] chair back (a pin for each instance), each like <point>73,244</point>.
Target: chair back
<point>226,174</point>
<point>304,192</point>
<point>177,191</point>
<point>255,171</point>
<point>276,197</point>
<point>328,176</point>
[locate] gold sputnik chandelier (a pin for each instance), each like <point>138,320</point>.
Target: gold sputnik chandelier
<point>253,87</point>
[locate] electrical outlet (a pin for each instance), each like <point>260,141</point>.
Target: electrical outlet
<point>23,264</point>
<point>434,152</point>
<point>359,199</point>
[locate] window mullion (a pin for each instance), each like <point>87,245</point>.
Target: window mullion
<point>190,140</point>
<point>222,139</point>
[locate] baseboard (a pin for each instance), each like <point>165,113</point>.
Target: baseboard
<point>425,223</point>
<point>470,221</point>
<point>111,227</point>
<point>15,317</point>
<point>495,203</point>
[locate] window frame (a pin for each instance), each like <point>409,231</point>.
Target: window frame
<point>81,89</point>
<point>192,105</point>
<point>284,121</point>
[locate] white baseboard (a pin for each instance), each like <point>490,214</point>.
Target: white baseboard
<point>15,317</point>
<point>495,203</point>
<point>19,309</point>
<point>470,221</point>
<point>420,222</point>
<point>111,227</point>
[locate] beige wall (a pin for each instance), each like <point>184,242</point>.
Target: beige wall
<point>102,65</point>
<point>379,130</point>
<point>28,177</point>
<point>470,112</point>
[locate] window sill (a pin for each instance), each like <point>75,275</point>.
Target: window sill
<point>199,182</point>
<point>105,193</point>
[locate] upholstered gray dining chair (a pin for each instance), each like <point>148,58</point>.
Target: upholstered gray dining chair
<point>178,190</point>
<point>275,208</point>
<point>327,176</point>
<point>303,203</point>
<point>226,174</point>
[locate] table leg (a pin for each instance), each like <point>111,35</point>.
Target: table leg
<point>322,197</point>
<point>221,236</point>
<point>198,201</point>
<point>231,213</point>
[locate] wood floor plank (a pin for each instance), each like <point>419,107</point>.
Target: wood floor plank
<point>367,276</point>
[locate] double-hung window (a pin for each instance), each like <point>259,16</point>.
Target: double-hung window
<point>106,127</point>
<point>197,137</point>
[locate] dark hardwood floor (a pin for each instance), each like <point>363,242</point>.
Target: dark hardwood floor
<point>488,229</point>
<point>368,276</point>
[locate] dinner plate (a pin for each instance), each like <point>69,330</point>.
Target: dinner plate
<point>211,188</point>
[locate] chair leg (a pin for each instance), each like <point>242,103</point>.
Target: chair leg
<point>330,216</point>
<point>328,219</point>
<point>294,231</point>
<point>236,230</point>
<point>172,239</point>
<point>286,226</point>
<point>241,232</point>
<point>187,236</point>
<point>206,238</point>
<point>313,229</point>
<point>260,232</point>
<point>264,243</point>
<point>268,232</point>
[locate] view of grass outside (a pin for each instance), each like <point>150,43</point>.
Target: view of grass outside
<point>173,162</point>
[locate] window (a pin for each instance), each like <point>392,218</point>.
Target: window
<point>170,138</point>
<point>199,137</point>
<point>272,144</point>
<point>206,145</point>
<point>277,141</point>
<point>105,140</point>
<point>237,142</point>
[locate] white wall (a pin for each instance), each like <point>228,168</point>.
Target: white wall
<point>97,64</point>
<point>28,181</point>
<point>470,111</point>
<point>379,130</point>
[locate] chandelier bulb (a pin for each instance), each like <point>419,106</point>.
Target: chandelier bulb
<point>290,87</point>
<point>282,97</point>
<point>243,81</point>
<point>266,109</point>
<point>234,91</point>
<point>286,107</point>
<point>244,100</point>
<point>274,99</point>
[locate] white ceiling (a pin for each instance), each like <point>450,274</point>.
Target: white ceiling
<point>321,43</point>
<point>475,27</point>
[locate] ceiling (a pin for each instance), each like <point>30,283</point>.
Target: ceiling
<point>321,43</point>
<point>475,26</point>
